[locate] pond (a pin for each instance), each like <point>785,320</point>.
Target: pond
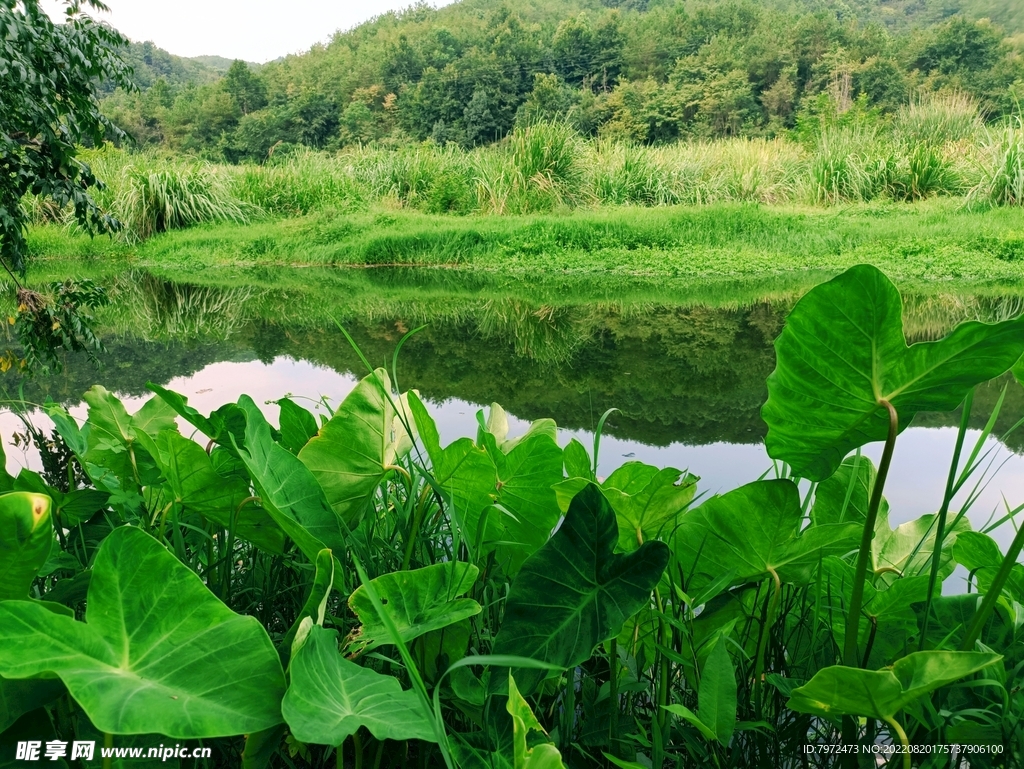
<point>685,367</point>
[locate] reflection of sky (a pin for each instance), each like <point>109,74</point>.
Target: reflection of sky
<point>915,486</point>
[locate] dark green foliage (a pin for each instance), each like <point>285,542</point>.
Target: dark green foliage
<point>650,72</point>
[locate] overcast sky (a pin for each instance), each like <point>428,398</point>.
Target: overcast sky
<point>254,30</point>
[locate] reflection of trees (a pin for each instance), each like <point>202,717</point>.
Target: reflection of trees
<point>687,373</point>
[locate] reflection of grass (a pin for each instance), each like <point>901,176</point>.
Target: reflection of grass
<point>156,309</point>
<point>932,240</point>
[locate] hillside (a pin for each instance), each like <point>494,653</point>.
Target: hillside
<point>647,71</point>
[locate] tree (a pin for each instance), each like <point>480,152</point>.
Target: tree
<point>47,109</point>
<point>245,87</point>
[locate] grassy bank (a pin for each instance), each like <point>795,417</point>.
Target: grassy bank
<point>928,241</point>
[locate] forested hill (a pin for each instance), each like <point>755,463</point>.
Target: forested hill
<point>651,71</point>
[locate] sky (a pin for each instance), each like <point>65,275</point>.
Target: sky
<point>253,30</point>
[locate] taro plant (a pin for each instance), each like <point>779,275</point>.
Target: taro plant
<point>294,589</point>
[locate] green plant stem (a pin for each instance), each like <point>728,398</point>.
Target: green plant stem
<point>108,742</point>
<point>988,603</point>
<point>570,710</point>
<point>940,519</point>
<point>895,726</point>
<point>851,658</point>
<point>339,756</point>
<point>769,620</point>
<point>613,696</point>
<point>357,743</point>
<point>414,531</point>
<point>665,676</point>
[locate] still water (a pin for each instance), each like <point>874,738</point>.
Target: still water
<point>686,376</point>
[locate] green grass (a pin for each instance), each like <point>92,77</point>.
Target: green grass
<point>930,241</point>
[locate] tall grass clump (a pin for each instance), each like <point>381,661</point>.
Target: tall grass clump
<point>152,198</point>
<point>540,168</point>
<point>629,174</point>
<point>426,177</point>
<point>1001,167</point>
<point>939,119</point>
<point>845,166</point>
<point>300,183</point>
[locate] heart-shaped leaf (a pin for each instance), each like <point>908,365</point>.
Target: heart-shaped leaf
<point>356,449</point>
<point>197,486</point>
<point>157,653</point>
<point>576,592</point>
<point>753,531</point>
<point>843,353</point>
<point>844,691</point>
<point>417,602</point>
<point>26,536</point>
<point>287,489</point>
<point>330,697</point>
<point>981,556</point>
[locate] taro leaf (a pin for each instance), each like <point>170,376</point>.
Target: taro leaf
<point>417,602</point>
<point>316,602</point>
<point>577,461</point>
<point>888,613</point>
<point>844,691</point>
<point>287,489</point>
<point>298,426</point>
<point>154,638</point>
<point>981,556</point>
<point>355,450</point>
<point>463,471</point>
<point>576,592</point>
<point>844,496</point>
<point>907,550</point>
<point>716,696</point>
<point>647,501</point>
<point>753,530</point>
<point>119,455</point>
<point>223,424</point>
<point>330,697</point>
<point>843,352</point>
<point>26,536</point>
<point>200,489</point>
<point>497,427</point>
<point>525,470</point>
<point>540,755</point>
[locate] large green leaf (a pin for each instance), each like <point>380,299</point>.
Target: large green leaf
<point>199,488</point>
<point>647,501</point>
<point>330,697</point>
<point>525,470</point>
<point>119,457</point>
<point>888,623</point>
<point>981,556</point>
<point>356,449</point>
<point>752,531</point>
<point>157,653</point>
<point>903,551</point>
<point>843,352</point>
<point>576,592</point>
<point>716,695</point>
<point>287,489</point>
<point>541,754</point>
<point>844,691</point>
<point>417,602</point>
<point>223,424</point>
<point>298,426</point>
<point>26,536</point>
<point>463,471</point>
